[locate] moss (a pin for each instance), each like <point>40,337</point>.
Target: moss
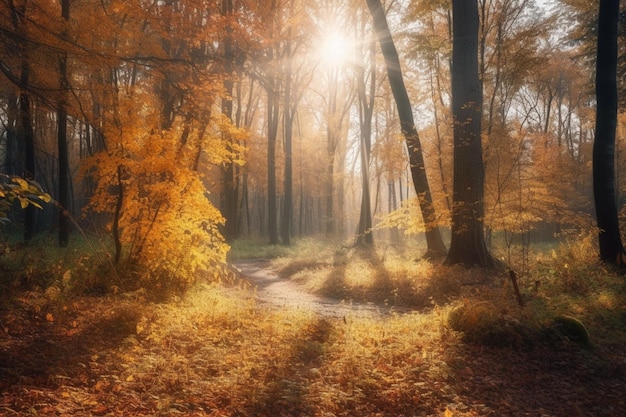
<point>571,329</point>
<point>481,324</point>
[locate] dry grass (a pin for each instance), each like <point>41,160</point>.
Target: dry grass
<point>215,352</point>
<point>382,277</point>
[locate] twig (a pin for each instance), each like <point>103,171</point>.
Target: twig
<point>518,294</point>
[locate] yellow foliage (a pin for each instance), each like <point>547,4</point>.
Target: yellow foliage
<point>409,219</point>
<point>167,224</point>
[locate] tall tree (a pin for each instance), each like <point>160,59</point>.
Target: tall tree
<point>467,245</point>
<point>435,245</point>
<point>19,20</point>
<point>365,99</point>
<point>64,168</point>
<point>273,119</point>
<point>611,248</point>
<point>230,182</point>
<point>288,118</point>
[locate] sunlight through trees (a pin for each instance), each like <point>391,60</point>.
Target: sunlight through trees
<point>192,122</point>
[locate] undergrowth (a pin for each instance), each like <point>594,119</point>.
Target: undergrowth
<point>82,267</point>
<point>568,295</point>
<point>215,351</point>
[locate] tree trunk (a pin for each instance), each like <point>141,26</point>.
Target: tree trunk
<point>14,145</point>
<point>24,122</point>
<point>610,242</point>
<point>435,245</point>
<point>64,168</point>
<point>467,245</point>
<point>285,224</point>
<point>28,136</point>
<point>272,133</point>
<point>230,183</point>
<point>364,236</point>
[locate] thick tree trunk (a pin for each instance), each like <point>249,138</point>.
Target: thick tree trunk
<point>435,245</point>
<point>467,245</point>
<point>611,248</point>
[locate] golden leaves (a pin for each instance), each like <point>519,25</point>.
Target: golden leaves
<point>27,192</point>
<point>167,224</point>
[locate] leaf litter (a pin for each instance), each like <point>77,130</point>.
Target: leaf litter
<point>220,352</point>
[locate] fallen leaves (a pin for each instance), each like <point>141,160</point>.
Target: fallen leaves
<point>220,355</point>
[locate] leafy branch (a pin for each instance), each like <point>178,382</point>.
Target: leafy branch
<point>27,192</point>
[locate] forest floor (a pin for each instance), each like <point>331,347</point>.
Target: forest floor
<point>266,347</point>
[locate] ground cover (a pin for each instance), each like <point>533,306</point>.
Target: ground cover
<point>218,351</point>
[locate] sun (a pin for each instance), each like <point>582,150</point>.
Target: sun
<point>336,48</point>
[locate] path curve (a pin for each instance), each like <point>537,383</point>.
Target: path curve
<point>275,291</point>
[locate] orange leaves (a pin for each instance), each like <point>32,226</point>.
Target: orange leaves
<point>167,225</point>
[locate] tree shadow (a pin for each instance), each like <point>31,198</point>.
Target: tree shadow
<point>43,353</point>
<point>559,381</point>
<point>388,289</point>
<point>285,384</point>
<point>335,284</point>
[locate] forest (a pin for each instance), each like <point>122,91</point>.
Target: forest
<point>312,208</point>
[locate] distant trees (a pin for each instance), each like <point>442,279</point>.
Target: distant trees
<point>169,110</point>
<point>366,81</point>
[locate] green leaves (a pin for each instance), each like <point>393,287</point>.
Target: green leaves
<point>26,192</point>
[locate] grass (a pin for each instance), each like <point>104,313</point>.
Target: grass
<point>382,276</point>
<point>83,266</point>
<point>564,282</point>
<point>214,351</point>
<point>255,249</point>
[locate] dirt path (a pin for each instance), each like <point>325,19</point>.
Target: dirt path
<point>275,291</point>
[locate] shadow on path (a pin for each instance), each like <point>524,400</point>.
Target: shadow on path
<point>275,291</point>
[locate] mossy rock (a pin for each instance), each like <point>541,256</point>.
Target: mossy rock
<point>572,329</point>
<point>481,324</point>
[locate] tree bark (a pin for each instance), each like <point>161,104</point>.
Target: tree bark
<point>230,183</point>
<point>434,241</point>
<point>364,236</point>
<point>289,111</point>
<point>272,134</point>
<point>610,242</point>
<point>64,168</point>
<point>467,245</point>
<point>28,136</point>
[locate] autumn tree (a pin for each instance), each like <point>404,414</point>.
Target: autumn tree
<point>148,176</point>
<point>467,245</point>
<point>297,75</point>
<point>267,70</point>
